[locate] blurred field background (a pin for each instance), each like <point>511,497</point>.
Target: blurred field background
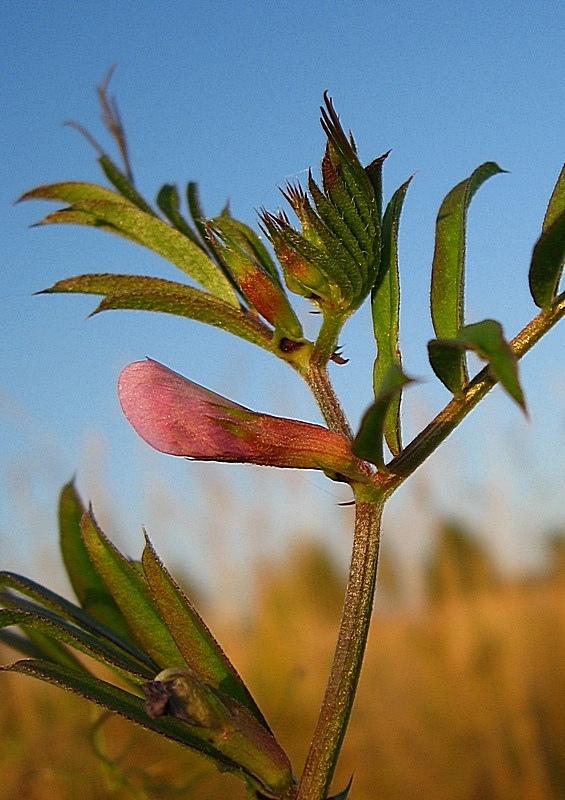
<point>462,695</point>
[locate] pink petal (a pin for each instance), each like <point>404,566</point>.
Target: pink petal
<point>175,415</point>
<point>179,417</point>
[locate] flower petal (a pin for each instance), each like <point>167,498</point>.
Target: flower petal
<point>179,417</point>
<point>175,415</point>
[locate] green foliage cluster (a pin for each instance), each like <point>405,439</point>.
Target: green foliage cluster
<point>441,690</point>
<point>133,617</point>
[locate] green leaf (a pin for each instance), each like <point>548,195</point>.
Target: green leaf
<point>21,644</point>
<point>445,359</point>
<point>131,593</point>
<point>123,184</point>
<point>228,725</point>
<point>117,215</point>
<point>87,585</point>
<point>385,306</point>
<point>32,643</point>
<point>548,257</point>
<point>169,202</point>
<point>71,192</point>
<point>118,700</point>
<point>448,268</point>
<point>195,209</point>
<point>46,599</point>
<point>556,205</point>
<point>235,746</point>
<point>49,625</point>
<point>547,264</point>
<point>374,172</point>
<point>199,648</point>
<point>368,443</point>
<point>51,649</point>
<point>141,292</point>
<point>485,338</point>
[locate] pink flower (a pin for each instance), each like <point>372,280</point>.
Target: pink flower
<point>181,418</point>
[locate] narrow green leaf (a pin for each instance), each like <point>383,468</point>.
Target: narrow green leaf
<point>123,184</point>
<point>88,587</point>
<point>199,648</point>
<point>201,307</point>
<point>118,700</point>
<point>51,626</point>
<point>448,268</point>
<point>46,599</point>
<point>32,643</point>
<point>21,644</point>
<point>556,205</point>
<point>260,762</point>
<point>131,593</point>
<point>169,202</point>
<point>51,649</point>
<point>548,256</point>
<point>195,209</point>
<point>374,172</point>
<point>368,443</point>
<point>547,263</point>
<point>145,229</point>
<point>141,292</point>
<point>385,306</point>
<point>445,360</point>
<point>71,192</point>
<point>485,338</point>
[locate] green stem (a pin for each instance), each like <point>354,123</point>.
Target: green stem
<point>348,656</point>
<point>415,453</point>
<point>326,341</point>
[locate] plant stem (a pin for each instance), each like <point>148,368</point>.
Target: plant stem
<point>327,339</point>
<point>415,453</point>
<point>317,379</point>
<point>348,656</point>
<point>354,627</point>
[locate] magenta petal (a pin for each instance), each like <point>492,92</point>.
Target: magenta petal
<point>175,415</point>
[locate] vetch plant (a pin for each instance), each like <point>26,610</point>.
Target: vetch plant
<point>171,675</point>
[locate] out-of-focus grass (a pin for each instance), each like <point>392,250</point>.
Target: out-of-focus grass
<point>460,699</point>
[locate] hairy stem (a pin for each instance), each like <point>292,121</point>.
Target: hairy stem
<point>354,627</point>
<point>317,379</point>
<point>348,656</point>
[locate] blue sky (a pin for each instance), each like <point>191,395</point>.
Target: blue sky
<point>228,95</point>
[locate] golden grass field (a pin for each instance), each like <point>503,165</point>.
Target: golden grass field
<point>461,698</point>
